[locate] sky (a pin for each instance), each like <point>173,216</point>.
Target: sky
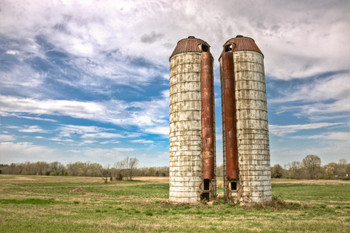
<point>89,80</point>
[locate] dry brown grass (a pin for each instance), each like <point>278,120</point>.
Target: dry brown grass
<point>290,181</point>
<point>152,179</point>
<point>86,204</point>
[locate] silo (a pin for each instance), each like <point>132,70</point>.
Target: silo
<point>192,122</point>
<point>247,176</point>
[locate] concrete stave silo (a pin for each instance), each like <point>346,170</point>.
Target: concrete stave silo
<point>247,176</point>
<point>192,123</point>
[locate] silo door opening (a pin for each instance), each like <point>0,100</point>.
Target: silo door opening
<point>205,48</point>
<point>228,48</point>
<point>205,196</point>
<point>234,185</point>
<point>206,184</point>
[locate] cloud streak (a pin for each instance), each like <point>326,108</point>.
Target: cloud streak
<point>147,115</point>
<point>282,130</point>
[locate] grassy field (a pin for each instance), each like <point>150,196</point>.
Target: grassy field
<point>84,204</point>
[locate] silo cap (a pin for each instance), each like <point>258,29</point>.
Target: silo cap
<point>189,44</point>
<point>242,43</point>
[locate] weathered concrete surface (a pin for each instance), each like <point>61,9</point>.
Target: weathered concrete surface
<point>252,130</point>
<point>252,127</point>
<point>186,183</point>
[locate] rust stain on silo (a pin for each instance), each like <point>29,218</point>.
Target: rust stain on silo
<point>207,115</point>
<point>244,94</point>
<point>191,82</point>
<point>230,116</point>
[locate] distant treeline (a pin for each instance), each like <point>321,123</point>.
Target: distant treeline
<point>309,168</point>
<point>123,169</point>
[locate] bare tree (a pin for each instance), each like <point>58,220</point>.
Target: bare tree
<point>127,167</point>
<point>220,170</point>
<point>312,163</point>
<point>106,173</point>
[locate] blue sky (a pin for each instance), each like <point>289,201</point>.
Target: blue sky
<point>89,80</point>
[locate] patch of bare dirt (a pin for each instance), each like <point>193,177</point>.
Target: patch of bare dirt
<point>79,190</point>
<point>23,178</point>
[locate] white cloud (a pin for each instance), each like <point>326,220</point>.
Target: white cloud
<point>109,142</point>
<point>12,52</point>
<point>162,130</point>
<point>295,44</point>
<point>21,76</point>
<point>102,135</point>
<point>6,137</point>
<point>335,87</point>
<point>23,151</point>
<point>84,142</point>
<point>334,136</point>
<point>149,114</point>
<point>69,130</point>
<point>34,118</point>
<point>142,141</point>
<point>319,100</point>
<point>108,42</point>
<point>59,140</point>
<point>282,130</point>
<point>32,129</point>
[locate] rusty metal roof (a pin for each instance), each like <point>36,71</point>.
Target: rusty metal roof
<point>242,43</point>
<point>189,44</point>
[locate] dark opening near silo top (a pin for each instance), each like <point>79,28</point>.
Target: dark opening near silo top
<point>242,43</point>
<point>190,44</point>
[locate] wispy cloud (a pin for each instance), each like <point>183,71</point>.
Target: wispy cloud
<point>331,136</point>
<point>145,114</point>
<point>11,52</point>
<point>23,151</point>
<point>123,26</point>
<point>282,130</point>
<point>334,87</point>
<point>7,138</point>
<point>109,142</point>
<point>26,151</point>
<point>319,99</point>
<point>142,141</point>
<point>32,129</point>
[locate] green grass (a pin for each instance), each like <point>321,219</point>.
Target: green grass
<point>75,204</point>
<point>313,192</point>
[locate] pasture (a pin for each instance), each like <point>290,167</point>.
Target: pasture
<point>86,204</point>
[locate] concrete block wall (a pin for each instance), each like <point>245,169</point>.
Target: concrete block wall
<point>252,127</point>
<point>185,128</point>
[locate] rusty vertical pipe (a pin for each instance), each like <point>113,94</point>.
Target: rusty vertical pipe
<point>230,116</point>
<point>207,115</point>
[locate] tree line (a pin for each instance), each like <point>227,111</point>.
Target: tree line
<point>309,168</point>
<point>124,169</point>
